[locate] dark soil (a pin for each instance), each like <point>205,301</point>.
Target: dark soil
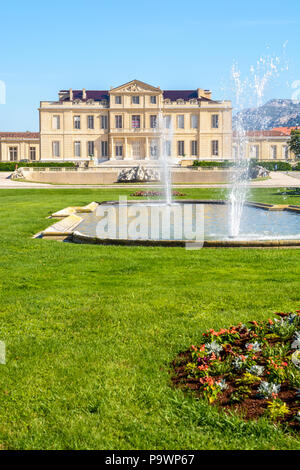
<point>250,408</point>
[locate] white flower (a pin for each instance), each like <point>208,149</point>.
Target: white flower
<point>256,370</point>
<point>222,384</point>
<point>267,390</point>
<point>296,343</point>
<point>213,347</point>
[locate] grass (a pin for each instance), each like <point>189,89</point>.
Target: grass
<point>90,331</point>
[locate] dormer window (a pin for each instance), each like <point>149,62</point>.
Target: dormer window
<point>135,100</point>
<point>180,101</point>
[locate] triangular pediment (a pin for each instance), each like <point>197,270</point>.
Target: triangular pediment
<point>135,86</point>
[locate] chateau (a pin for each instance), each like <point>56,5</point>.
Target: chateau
<point>120,124</point>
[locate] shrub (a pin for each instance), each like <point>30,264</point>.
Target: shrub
<point>296,167</point>
<point>210,164</point>
<point>11,166</point>
<point>272,165</point>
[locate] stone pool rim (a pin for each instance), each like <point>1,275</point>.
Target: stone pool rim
<point>67,230</point>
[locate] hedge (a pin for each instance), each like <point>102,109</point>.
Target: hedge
<point>297,167</point>
<point>272,165</point>
<point>11,166</point>
<point>203,163</point>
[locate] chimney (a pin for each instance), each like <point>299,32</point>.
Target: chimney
<point>84,94</point>
<point>71,94</point>
<point>204,93</point>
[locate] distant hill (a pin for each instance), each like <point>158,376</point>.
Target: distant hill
<point>275,113</point>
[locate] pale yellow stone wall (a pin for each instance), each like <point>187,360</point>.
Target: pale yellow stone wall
<point>265,144</point>
<point>22,145</point>
<point>136,143</point>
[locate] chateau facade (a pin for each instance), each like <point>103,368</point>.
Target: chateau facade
<point>121,124</point>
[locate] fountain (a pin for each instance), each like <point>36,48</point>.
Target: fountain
<point>165,139</point>
<point>237,196</point>
<point>234,222</point>
<point>248,93</point>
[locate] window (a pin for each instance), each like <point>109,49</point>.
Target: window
<point>274,151</point>
<point>56,122</point>
<point>90,122</point>
<point>55,149</point>
<point>77,149</point>
<point>104,122</point>
<point>215,148</point>
<point>76,122</point>
<point>194,121</point>
<point>118,122</point>
<point>136,122</point>
<point>119,149</point>
<point>254,151</point>
<point>168,147</point>
<point>215,121</point>
<point>118,99</point>
<point>13,154</point>
<point>32,153</point>
<point>135,100</point>
<point>194,148</point>
<point>91,148</point>
<point>180,121</point>
<point>153,99</point>
<point>153,122</point>
<point>180,144</point>
<point>167,121</point>
<point>285,152</point>
<point>104,148</point>
<point>154,148</point>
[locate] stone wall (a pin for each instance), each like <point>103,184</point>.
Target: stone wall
<point>110,176</point>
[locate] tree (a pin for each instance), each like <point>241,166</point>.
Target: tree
<point>294,142</point>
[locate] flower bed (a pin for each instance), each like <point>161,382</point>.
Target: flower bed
<point>253,368</point>
<point>154,193</point>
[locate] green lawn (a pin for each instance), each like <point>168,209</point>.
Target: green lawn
<point>90,331</point>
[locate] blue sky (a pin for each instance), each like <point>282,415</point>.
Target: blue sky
<point>48,46</point>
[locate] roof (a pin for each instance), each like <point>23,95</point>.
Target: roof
<point>98,95</point>
<point>185,95</point>
<point>263,133</point>
<point>20,135</point>
<point>267,133</point>
<point>286,130</point>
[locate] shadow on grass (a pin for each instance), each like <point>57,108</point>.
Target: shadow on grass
<point>288,192</point>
